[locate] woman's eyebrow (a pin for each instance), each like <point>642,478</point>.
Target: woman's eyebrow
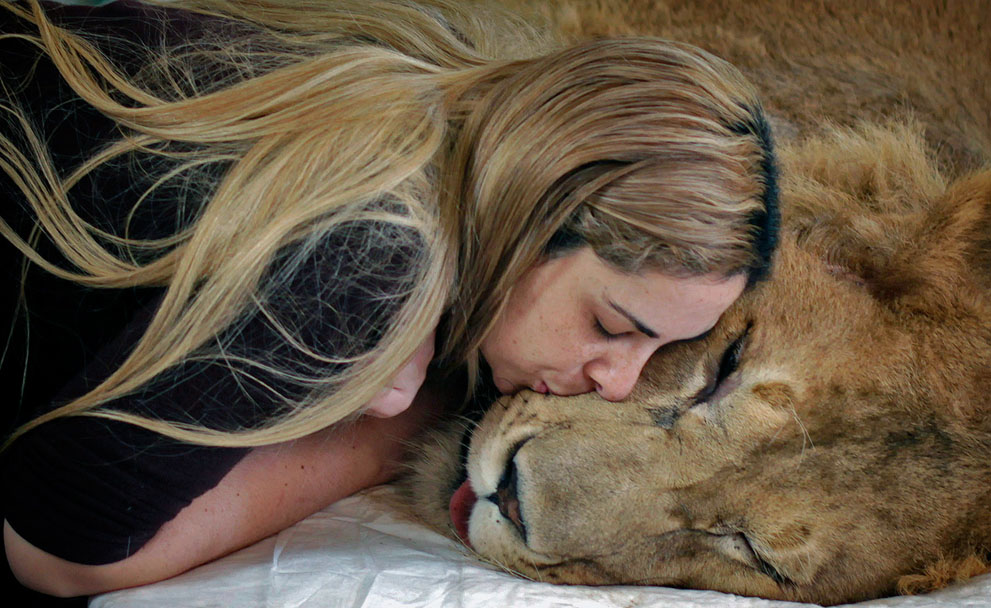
<point>650,333</point>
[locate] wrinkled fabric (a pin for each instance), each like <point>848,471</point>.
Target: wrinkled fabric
<point>363,553</point>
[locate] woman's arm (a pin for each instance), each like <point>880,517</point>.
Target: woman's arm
<point>267,491</point>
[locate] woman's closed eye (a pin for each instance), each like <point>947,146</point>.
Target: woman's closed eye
<point>605,333</point>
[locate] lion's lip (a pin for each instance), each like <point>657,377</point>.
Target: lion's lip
<point>460,507</point>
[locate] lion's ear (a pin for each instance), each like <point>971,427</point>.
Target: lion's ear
<point>874,207</point>
<point>921,258</point>
<point>947,252</point>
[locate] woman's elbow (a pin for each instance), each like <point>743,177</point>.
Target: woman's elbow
<point>51,575</point>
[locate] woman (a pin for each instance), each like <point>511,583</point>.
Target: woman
<point>338,203</point>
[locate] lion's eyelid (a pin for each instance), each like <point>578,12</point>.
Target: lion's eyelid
<point>728,363</point>
<point>760,564</point>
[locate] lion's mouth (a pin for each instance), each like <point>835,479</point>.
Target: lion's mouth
<point>460,507</point>
<point>504,498</point>
<point>464,498</point>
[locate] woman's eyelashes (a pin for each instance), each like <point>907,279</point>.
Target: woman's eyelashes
<point>602,331</point>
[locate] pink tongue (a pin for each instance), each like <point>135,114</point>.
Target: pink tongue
<point>460,508</point>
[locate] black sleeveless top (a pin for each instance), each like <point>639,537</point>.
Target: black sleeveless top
<point>94,491</point>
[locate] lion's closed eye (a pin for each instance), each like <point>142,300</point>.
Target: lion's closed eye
<point>728,364</point>
<point>738,546</point>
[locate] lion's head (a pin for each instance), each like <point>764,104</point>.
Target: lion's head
<point>830,436</point>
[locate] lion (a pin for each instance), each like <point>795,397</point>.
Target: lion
<point>830,440</point>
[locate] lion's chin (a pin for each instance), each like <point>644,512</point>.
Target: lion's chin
<point>462,502</point>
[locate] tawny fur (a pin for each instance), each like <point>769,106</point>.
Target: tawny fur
<point>840,62</point>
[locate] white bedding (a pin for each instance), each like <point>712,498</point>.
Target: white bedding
<point>360,553</point>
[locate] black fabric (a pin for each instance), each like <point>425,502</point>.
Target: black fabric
<point>94,491</point>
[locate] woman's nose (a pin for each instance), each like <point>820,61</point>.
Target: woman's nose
<point>615,376</point>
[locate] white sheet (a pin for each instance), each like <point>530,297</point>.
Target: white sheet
<point>361,553</point>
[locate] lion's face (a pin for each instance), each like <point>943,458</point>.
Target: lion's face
<point>828,437</point>
<point>787,454</point>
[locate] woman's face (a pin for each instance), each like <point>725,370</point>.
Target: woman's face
<point>573,324</point>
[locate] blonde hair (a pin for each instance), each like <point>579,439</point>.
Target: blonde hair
<point>484,150</point>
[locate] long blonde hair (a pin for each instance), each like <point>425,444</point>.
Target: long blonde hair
<point>485,149</point>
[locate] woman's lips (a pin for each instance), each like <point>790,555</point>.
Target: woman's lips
<point>507,387</point>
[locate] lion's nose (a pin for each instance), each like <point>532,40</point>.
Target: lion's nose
<point>506,499</point>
